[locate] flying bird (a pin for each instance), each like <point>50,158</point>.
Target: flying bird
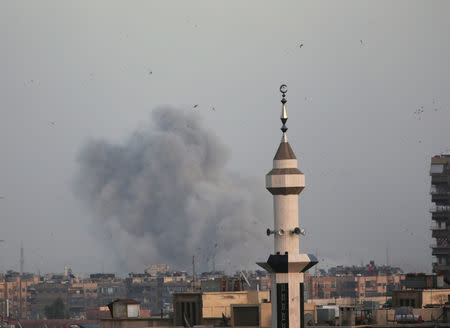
<point>196,105</point>
<point>301,45</point>
<point>361,42</point>
<point>213,109</point>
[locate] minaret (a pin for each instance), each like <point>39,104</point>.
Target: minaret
<point>287,265</point>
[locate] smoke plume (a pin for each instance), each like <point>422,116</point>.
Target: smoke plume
<point>164,194</point>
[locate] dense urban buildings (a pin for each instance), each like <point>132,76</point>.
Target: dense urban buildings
<point>356,282</point>
<point>87,297</point>
<point>440,197</point>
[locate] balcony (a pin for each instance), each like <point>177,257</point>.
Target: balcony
<point>435,227</point>
<point>439,234</point>
<point>440,209</point>
<point>439,250</point>
<point>440,216</point>
<point>440,196</point>
<point>440,178</point>
<point>440,267</point>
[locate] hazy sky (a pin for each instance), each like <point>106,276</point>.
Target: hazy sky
<point>75,70</point>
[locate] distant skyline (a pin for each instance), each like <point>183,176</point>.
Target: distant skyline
<point>368,106</point>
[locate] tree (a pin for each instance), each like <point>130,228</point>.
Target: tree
<point>56,310</point>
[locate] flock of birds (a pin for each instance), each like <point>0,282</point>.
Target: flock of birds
<point>418,112</point>
<point>196,106</point>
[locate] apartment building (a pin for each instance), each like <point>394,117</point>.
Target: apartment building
<point>440,214</point>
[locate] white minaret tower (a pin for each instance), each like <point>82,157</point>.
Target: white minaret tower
<point>287,265</point>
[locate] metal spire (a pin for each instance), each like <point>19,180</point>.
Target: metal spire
<point>283,117</point>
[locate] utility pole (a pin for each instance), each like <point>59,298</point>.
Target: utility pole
<point>20,279</point>
<point>387,256</point>
<point>193,269</point>
<point>5,293</point>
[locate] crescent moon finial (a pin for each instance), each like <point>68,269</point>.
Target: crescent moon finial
<point>283,117</point>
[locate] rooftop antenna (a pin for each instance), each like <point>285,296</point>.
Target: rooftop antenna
<point>244,279</point>
<point>316,269</point>
<point>21,275</point>
<point>193,268</point>
<point>387,256</point>
<point>21,258</point>
<point>214,258</point>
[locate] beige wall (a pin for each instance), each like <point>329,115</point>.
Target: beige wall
<point>216,303</point>
<point>429,314</point>
<point>256,297</point>
<point>422,297</point>
<point>380,316</point>
<point>435,296</point>
<point>346,300</point>
<point>311,308</point>
<point>265,315</point>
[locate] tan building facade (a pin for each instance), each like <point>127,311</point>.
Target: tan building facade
<point>351,286</point>
<point>209,306</point>
<point>14,293</point>
<point>420,298</point>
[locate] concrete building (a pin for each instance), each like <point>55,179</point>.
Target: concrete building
<point>44,294</point>
<point>249,308</point>
<point>208,307</point>
<point>125,308</point>
<point>420,298</point>
<point>285,182</point>
<point>440,196</point>
<point>15,293</point>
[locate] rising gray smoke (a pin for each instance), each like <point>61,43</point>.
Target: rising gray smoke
<point>164,195</point>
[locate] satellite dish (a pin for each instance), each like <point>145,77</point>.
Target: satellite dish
<point>309,319</point>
